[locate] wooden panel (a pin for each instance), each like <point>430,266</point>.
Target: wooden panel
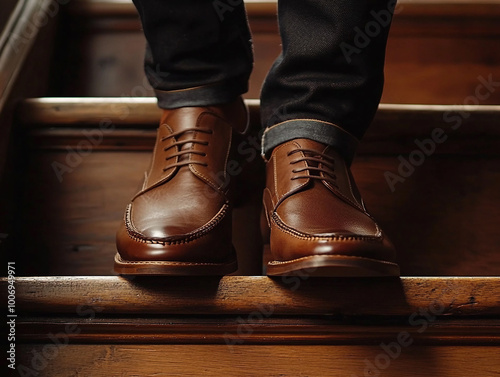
<point>441,69</point>
<point>72,215</point>
<point>442,216</point>
<point>436,51</point>
<point>304,295</point>
<point>217,360</point>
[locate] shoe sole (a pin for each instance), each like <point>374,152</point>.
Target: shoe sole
<point>161,268</point>
<point>333,266</point>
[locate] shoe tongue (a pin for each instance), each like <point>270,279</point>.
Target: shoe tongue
<point>312,145</point>
<point>182,118</point>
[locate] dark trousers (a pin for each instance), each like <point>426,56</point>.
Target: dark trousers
<point>325,85</point>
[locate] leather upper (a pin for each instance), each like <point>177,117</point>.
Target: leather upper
<point>313,206</point>
<point>182,212</point>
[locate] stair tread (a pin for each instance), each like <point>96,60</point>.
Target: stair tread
<point>56,122</point>
<point>454,296</point>
<point>143,111</point>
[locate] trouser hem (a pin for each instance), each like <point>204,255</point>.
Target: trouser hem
<point>205,95</point>
<point>323,132</point>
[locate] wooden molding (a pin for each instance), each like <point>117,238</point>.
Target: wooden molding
<point>255,328</point>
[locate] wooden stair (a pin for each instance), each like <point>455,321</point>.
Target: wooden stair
<point>256,326</point>
<point>90,159</point>
<point>76,132</point>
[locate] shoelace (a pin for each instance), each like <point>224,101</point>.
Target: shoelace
<point>186,152</point>
<point>312,158</point>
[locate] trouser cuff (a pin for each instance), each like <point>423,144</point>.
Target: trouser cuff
<point>317,130</point>
<point>205,95</point>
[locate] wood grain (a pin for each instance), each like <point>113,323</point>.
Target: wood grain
<point>143,111</point>
<point>451,296</point>
<point>443,219</point>
<point>258,328</point>
<point>248,360</point>
<point>130,123</point>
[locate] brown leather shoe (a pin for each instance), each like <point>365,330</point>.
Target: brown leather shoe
<point>180,221</point>
<point>318,222</point>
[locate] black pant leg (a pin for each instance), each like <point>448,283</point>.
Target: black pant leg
<point>199,51</point>
<point>330,74</point>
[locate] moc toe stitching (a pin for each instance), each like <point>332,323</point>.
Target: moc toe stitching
<point>159,263</point>
<point>204,230</point>
<point>305,236</point>
<point>353,257</point>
